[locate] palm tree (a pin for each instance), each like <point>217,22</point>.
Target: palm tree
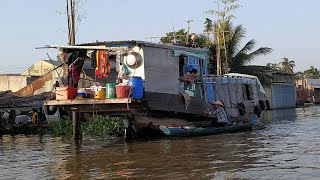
<point>240,57</point>
<point>287,65</point>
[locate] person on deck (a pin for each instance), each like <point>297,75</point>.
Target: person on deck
<point>222,118</point>
<point>189,77</point>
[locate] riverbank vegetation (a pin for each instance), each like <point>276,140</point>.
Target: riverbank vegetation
<point>98,126</point>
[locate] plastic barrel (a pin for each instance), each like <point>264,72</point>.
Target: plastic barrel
<point>136,84</point>
<point>110,90</point>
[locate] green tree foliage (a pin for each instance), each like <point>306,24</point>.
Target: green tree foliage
<point>312,72</point>
<point>238,57</point>
<point>273,66</point>
<point>224,7</point>
<point>223,16</point>
<point>299,75</point>
<point>208,26</point>
<point>286,65</point>
<point>180,36</point>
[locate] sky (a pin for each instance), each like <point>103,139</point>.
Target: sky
<point>289,27</point>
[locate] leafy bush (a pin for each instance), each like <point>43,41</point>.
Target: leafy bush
<point>62,127</point>
<point>101,126</point>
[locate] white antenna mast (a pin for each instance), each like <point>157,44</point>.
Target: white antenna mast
<point>174,32</point>
<point>188,29</point>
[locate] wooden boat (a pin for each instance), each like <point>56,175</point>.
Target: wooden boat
<point>187,131</point>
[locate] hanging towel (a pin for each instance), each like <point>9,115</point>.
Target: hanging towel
<point>98,68</point>
<point>105,65</point>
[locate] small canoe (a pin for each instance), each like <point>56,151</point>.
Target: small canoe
<point>185,131</point>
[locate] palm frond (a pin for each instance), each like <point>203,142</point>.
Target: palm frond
<point>248,47</point>
<point>259,52</point>
<point>237,34</point>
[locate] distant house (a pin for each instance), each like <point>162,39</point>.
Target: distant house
<point>282,91</point>
<point>14,82</point>
<point>41,67</point>
<point>308,90</point>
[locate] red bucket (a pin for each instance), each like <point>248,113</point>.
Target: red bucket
<point>122,91</point>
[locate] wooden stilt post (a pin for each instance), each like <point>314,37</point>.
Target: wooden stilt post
<point>12,117</point>
<point>76,125</point>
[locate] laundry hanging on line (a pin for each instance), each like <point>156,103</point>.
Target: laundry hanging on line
<point>102,64</point>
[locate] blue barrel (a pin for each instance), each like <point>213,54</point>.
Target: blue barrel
<point>136,84</point>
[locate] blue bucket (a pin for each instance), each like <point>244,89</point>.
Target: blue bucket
<point>136,84</point>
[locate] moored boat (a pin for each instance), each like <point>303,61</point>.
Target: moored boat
<point>163,92</point>
<point>188,131</point>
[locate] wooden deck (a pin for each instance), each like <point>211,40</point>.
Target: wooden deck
<point>98,105</point>
<point>84,101</point>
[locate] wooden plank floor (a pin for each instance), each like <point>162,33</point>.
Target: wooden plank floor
<point>85,101</point>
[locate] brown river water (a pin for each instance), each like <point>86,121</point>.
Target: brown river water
<point>289,148</point>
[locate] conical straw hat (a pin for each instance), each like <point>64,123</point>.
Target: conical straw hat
<point>218,103</point>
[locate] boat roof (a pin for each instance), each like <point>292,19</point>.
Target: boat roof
<point>144,43</point>
<point>127,43</point>
<point>241,75</point>
<point>238,75</point>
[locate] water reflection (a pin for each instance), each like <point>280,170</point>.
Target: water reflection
<point>289,149</point>
<point>280,115</point>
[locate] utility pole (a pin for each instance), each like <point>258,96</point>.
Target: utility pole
<point>73,42</point>
<point>188,22</point>
<point>68,20</point>
<point>71,22</point>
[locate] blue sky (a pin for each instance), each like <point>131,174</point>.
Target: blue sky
<point>290,27</point>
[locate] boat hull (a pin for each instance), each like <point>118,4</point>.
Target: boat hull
<point>189,131</point>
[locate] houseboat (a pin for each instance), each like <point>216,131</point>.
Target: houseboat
<point>158,97</point>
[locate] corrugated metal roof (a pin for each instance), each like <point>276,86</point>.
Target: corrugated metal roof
<point>313,82</point>
<point>129,43</point>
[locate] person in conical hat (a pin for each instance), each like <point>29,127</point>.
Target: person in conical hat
<point>222,118</point>
<point>219,103</point>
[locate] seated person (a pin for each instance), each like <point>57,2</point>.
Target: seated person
<point>222,118</point>
<point>189,77</point>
